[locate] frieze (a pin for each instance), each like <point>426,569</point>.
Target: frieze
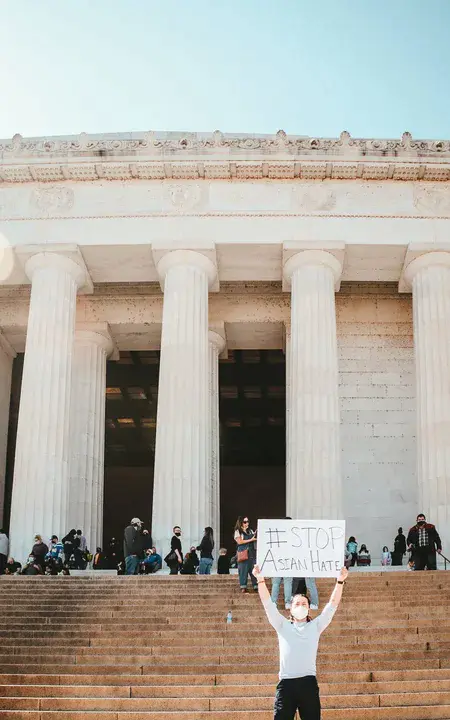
<point>172,143</point>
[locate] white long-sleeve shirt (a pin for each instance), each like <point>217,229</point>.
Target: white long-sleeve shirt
<point>298,642</point>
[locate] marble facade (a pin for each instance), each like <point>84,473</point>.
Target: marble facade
<point>336,250</point>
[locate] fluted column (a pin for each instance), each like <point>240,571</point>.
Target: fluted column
<point>181,494</point>
<point>40,486</point>
<point>313,452</point>
<point>216,345</point>
<point>287,355</point>
<point>92,346</point>
<point>429,277</point>
<point>7,354</point>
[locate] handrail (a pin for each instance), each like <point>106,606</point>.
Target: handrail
<point>446,560</point>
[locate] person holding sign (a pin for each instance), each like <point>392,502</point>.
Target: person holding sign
<point>298,640</point>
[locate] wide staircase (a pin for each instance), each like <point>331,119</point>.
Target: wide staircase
<point>158,647</point>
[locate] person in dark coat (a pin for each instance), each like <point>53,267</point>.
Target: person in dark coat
<point>175,557</point>
<point>146,541</point>
<point>188,567</point>
<point>33,567</point>
<point>223,563</point>
<point>99,560</point>
<point>12,567</point>
<point>39,551</point>
<point>132,546</point>
<point>113,554</point>
<point>399,548</point>
<point>424,541</point>
<point>206,552</point>
<point>69,542</point>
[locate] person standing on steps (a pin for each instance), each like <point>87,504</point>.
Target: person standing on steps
<point>175,557</point>
<point>424,541</point>
<point>206,548</point>
<point>298,640</point>
<point>132,546</point>
<point>246,552</point>
<point>399,548</point>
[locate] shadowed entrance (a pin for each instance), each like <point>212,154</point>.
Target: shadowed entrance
<point>252,437</point>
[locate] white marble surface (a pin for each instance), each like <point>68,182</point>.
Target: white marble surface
<point>429,276</point>
<point>6,358</point>
<point>216,345</point>
<point>40,488</point>
<point>92,345</point>
<point>313,451</point>
<point>181,493</point>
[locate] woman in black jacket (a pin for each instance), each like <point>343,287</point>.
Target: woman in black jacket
<point>206,547</point>
<point>39,551</point>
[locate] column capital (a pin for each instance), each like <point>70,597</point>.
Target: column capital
<point>216,341</point>
<point>187,258</point>
<point>67,258</point>
<point>97,334</point>
<point>311,258</point>
<point>427,260</point>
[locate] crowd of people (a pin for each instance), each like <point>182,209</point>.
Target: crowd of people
<point>54,557</point>
<point>420,548</point>
<point>138,555</point>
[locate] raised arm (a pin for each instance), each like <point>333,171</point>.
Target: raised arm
<point>274,617</point>
<point>336,595</point>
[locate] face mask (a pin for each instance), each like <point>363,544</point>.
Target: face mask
<point>178,534</point>
<point>300,612</point>
<point>421,522</point>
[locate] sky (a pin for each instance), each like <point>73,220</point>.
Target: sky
<point>310,67</point>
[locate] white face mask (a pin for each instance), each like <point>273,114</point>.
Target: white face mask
<point>300,612</point>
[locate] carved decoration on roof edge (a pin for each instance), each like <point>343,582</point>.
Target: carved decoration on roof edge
<point>161,144</point>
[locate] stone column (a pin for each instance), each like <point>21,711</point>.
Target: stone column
<point>181,494</point>
<point>429,277</point>
<point>7,354</point>
<point>92,346</point>
<point>287,355</point>
<point>40,487</point>
<point>313,452</point>
<point>216,346</point>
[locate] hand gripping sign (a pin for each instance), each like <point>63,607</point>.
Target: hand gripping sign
<point>301,548</point>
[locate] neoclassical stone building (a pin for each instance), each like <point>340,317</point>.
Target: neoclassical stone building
<point>254,288</point>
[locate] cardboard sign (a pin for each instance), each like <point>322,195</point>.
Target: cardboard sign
<point>301,548</point>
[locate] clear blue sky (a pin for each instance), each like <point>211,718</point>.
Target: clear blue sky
<point>310,67</point>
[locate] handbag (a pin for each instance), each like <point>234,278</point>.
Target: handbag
<point>170,558</point>
<point>242,555</point>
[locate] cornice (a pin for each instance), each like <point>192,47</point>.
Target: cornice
<point>217,156</point>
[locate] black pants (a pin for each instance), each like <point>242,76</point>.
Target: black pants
<point>3,559</point>
<point>424,557</point>
<point>300,694</point>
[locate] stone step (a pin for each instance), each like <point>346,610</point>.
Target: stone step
<point>401,713</point>
<point>218,691</point>
<point>158,667</point>
<point>207,704</point>
<point>335,677</point>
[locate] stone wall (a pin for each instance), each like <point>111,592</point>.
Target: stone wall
<point>377,391</point>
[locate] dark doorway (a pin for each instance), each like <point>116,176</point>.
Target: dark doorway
<point>252,437</point>
<point>16,386</point>
<point>131,402</point>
